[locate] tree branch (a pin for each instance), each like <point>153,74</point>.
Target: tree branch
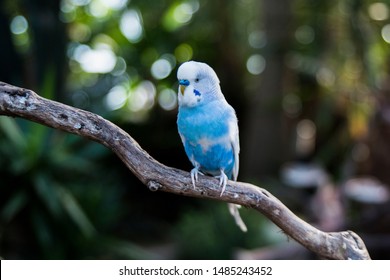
<point>24,103</point>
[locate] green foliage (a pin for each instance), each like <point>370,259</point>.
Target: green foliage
<point>211,231</point>
<point>68,205</point>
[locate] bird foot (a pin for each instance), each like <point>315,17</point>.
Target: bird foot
<point>194,175</point>
<point>222,181</point>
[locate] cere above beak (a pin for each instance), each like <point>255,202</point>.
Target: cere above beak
<point>184,82</point>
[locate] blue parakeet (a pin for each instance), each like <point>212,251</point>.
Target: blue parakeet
<point>208,127</point>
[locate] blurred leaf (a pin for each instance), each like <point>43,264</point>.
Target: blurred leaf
<point>13,132</point>
<point>75,212</point>
<point>49,195</point>
<point>37,140</point>
<point>42,230</point>
<point>13,206</point>
<point>127,250</point>
<point>48,87</point>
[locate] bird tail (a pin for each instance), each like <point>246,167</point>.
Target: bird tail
<point>233,209</point>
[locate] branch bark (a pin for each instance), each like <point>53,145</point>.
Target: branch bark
<point>24,103</point>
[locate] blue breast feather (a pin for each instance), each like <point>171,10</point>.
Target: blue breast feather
<point>205,134</point>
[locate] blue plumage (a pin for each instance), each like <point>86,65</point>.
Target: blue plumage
<point>205,134</point>
<point>207,126</point>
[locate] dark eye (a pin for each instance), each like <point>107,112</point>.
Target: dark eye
<point>197,80</point>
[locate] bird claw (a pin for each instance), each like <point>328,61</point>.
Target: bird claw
<point>222,178</point>
<point>194,175</point>
<point>222,181</point>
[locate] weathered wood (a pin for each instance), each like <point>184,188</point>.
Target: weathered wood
<point>24,103</point>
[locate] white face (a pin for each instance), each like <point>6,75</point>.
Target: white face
<point>187,98</point>
<point>198,83</point>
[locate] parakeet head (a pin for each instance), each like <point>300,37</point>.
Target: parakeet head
<point>198,84</point>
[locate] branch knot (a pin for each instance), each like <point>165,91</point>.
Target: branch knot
<point>154,186</point>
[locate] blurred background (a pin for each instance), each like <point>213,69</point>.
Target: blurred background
<point>309,81</point>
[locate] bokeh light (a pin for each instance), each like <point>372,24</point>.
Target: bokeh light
<point>378,11</point>
<point>19,29</point>
<point>306,136</point>
<point>325,77</point>
<point>142,97</point>
<point>116,98</point>
<point>79,2</point>
<point>131,26</point>
<point>167,99</point>
<point>97,9</point>
<point>183,53</point>
<point>120,67</point>
<point>79,32</point>
<point>161,69</point>
<point>257,39</point>
<point>305,34</point>
<point>183,13</point>
<point>19,25</point>
<point>256,64</point>
<point>180,14</point>
<point>114,4</point>
<point>385,32</point>
<point>99,60</point>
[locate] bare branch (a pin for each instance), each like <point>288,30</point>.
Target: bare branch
<point>24,103</point>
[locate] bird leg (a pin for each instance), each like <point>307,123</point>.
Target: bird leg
<point>222,181</point>
<point>194,174</point>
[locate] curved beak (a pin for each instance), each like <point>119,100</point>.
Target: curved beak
<point>183,84</point>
